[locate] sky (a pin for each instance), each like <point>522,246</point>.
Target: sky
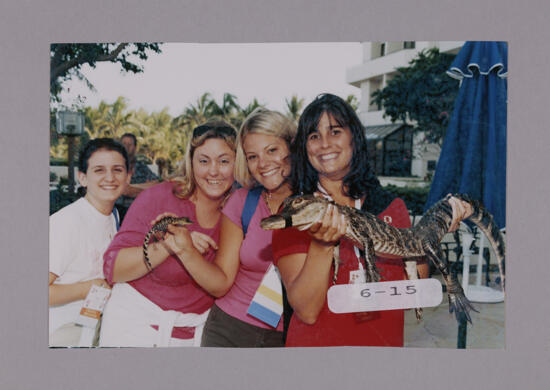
<point>179,75</point>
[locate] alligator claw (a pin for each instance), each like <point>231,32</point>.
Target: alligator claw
<point>460,305</point>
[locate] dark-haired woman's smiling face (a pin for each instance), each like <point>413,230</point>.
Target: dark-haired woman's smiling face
<point>330,148</point>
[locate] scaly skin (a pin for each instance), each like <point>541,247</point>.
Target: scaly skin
<point>374,235</point>
<point>161,227</point>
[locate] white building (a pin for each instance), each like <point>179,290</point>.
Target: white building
<point>380,59</point>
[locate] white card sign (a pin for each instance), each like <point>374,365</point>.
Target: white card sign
<point>397,294</point>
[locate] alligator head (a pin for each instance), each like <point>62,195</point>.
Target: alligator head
<point>300,212</point>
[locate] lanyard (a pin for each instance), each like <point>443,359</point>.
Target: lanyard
<point>357,206</point>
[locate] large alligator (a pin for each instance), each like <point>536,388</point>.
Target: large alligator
<point>375,236</point>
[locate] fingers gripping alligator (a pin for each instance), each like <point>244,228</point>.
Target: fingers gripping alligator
<point>160,228</point>
<point>374,235</point>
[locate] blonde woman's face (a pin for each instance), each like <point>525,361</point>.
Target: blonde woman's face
<point>213,164</point>
<point>268,159</point>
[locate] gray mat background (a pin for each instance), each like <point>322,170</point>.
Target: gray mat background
<point>26,30</point>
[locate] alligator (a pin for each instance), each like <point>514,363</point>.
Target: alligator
<point>373,235</point>
<point>160,228</point>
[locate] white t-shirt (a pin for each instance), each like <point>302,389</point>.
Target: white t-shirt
<point>79,235</point>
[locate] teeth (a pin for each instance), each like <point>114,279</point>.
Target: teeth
<point>329,156</point>
<point>269,173</point>
<point>214,181</point>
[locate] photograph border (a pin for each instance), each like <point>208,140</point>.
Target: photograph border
<point>28,28</point>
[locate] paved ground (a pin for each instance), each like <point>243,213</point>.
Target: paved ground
<point>439,329</point>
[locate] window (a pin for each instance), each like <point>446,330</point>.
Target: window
<point>408,45</point>
<point>382,49</point>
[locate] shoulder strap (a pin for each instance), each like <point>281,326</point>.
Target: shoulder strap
<point>250,206</point>
<point>117,218</point>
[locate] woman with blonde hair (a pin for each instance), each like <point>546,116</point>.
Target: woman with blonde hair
<point>262,166</point>
<point>157,303</point>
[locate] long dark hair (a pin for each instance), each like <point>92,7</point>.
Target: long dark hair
<point>360,181</point>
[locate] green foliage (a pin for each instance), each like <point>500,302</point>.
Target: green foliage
<point>421,92</point>
<point>414,197</point>
<point>66,59</point>
<point>294,107</point>
<point>56,161</point>
<point>161,137</point>
<point>353,102</point>
<point>61,197</point>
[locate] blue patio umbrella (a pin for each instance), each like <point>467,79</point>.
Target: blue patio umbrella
<point>473,155</point>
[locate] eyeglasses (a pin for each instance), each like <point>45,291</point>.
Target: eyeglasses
<point>220,130</point>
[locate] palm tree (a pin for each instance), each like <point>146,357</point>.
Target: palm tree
<point>95,120</point>
<point>228,107</point>
<point>117,121</point>
<point>294,107</point>
<point>200,112</point>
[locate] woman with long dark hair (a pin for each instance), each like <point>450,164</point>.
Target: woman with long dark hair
<point>330,159</point>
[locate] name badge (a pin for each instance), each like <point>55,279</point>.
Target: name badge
<point>91,310</point>
<point>357,276</point>
<point>397,294</point>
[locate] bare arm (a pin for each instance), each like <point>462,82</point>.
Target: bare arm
<point>307,276</point>
<point>130,262</point>
<point>217,277</point>
<point>60,294</point>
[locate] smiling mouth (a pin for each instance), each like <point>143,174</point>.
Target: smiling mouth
<point>330,156</point>
<point>270,172</point>
<point>214,182</point>
<point>109,188</point>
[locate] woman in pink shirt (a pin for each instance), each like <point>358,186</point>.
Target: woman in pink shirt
<point>242,260</point>
<point>161,304</point>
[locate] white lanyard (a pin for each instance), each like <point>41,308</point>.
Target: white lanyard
<point>358,207</point>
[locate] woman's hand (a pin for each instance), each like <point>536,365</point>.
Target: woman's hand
<point>331,227</point>
<point>461,211</point>
<point>202,242</point>
<point>177,240</point>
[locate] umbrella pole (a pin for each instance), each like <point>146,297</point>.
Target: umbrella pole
<point>462,327</point>
<point>467,238</point>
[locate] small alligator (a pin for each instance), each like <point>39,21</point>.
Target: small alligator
<point>161,227</point>
<point>373,235</point>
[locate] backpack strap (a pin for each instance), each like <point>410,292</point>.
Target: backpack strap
<point>117,218</point>
<point>250,206</point>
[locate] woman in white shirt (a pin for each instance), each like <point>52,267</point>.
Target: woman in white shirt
<point>80,233</point>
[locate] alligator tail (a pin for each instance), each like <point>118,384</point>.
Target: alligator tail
<point>145,249</point>
<point>485,222</point>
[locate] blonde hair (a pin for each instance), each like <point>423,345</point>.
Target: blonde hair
<point>184,185</point>
<point>260,121</point>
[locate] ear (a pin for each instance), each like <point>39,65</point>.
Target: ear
<point>82,179</point>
